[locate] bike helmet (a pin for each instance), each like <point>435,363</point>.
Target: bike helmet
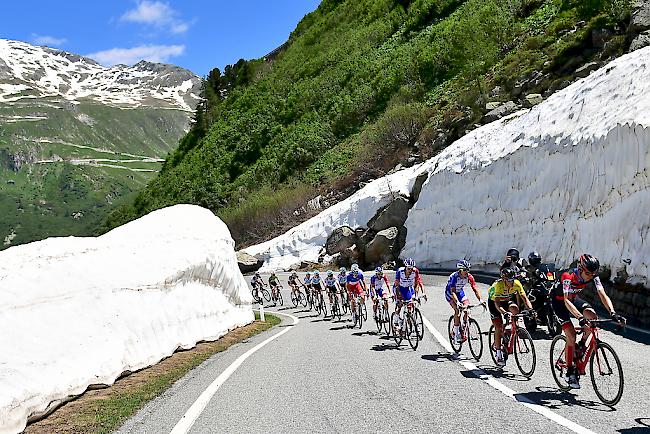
<point>307,273</point>
<point>294,273</point>
<point>257,273</point>
<point>316,273</point>
<point>463,265</point>
<point>409,262</point>
<point>330,273</point>
<point>508,274</point>
<point>342,270</point>
<point>513,253</point>
<point>589,263</point>
<point>379,270</point>
<point>534,258</point>
<point>354,268</point>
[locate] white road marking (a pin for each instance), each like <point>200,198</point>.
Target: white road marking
<point>187,421</point>
<point>505,389</point>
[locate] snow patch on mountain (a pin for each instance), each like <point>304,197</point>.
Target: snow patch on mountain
<point>81,311</point>
<point>28,71</point>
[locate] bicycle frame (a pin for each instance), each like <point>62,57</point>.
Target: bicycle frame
<point>510,348</point>
<point>590,345</point>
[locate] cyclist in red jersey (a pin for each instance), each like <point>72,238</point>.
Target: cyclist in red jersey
<point>567,304</point>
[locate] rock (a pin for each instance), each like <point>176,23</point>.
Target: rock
<point>365,237</point>
<point>586,69</point>
<point>600,36</point>
<point>643,40</point>
<point>417,186</point>
<point>348,257</point>
<point>496,92</point>
<point>394,214</point>
<point>533,99</point>
<point>382,248</point>
<point>639,16</point>
<point>247,263</point>
<point>501,111</point>
<point>340,239</point>
<point>401,241</point>
<point>492,105</point>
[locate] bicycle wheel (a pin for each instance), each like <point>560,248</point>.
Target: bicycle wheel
<point>558,362</point>
<point>280,301</point>
<point>345,304</point>
<point>552,323</point>
<point>452,339</point>
<point>475,339</point>
<point>266,294</point>
<point>493,353</point>
<point>412,334</point>
<point>377,317</point>
<point>294,298</point>
<point>606,374</point>
<point>524,350</point>
<point>364,311</point>
<point>323,306</point>
<point>336,308</point>
<point>385,319</point>
<point>420,322</point>
<point>302,299</point>
<point>397,333</point>
<point>360,308</point>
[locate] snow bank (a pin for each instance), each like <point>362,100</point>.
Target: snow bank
<point>305,241</point>
<point>568,176</point>
<point>81,311</point>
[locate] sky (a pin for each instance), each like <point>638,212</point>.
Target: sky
<point>196,34</point>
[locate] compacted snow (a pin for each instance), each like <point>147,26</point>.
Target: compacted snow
<point>567,176</point>
<point>81,311</point>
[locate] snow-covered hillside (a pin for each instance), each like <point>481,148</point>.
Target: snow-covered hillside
<point>81,311</point>
<point>568,176</point>
<point>28,71</point>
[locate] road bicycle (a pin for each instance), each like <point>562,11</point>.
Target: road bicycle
<point>298,298</point>
<point>382,317</point>
<point>336,306</point>
<point>605,367</point>
<point>276,295</point>
<point>360,313</point>
<point>418,316</point>
<point>470,331</point>
<point>405,325</point>
<point>345,301</point>
<point>256,294</point>
<point>519,343</point>
<point>321,307</point>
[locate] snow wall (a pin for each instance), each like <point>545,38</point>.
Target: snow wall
<point>566,177</point>
<point>82,311</point>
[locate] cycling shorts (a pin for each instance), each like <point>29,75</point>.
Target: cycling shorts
<point>381,292</point>
<point>331,289</point>
<point>355,288</point>
<point>407,293</point>
<point>503,304</point>
<point>563,313</point>
<point>460,295</point>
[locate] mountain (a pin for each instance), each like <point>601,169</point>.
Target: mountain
<point>77,138</point>
<point>363,86</point>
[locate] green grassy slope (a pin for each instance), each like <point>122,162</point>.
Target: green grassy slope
<point>359,86</point>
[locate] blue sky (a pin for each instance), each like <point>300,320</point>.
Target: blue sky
<point>196,34</point>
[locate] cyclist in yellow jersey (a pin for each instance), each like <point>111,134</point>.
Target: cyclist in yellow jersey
<point>502,302</point>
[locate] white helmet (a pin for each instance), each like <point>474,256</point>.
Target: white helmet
<point>354,268</point>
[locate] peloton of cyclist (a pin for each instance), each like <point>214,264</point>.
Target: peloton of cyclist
<point>407,280</point>
<point>379,289</point>
<point>502,303</point>
<point>331,285</point>
<point>455,292</point>
<point>567,303</point>
<point>356,286</point>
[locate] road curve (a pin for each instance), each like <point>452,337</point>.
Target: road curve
<point>321,376</point>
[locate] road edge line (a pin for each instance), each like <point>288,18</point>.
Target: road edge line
<point>494,383</point>
<point>186,422</point>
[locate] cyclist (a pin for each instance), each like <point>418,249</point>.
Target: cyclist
<point>343,279</point>
<point>307,285</point>
<point>316,285</point>
<point>257,283</point>
<point>274,283</point>
<point>567,304</point>
<point>455,292</point>
<point>378,289</point>
<point>332,286</point>
<point>502,303</point>
<point>407,279</point>
<point>294,281</point>
<point>356,286</point>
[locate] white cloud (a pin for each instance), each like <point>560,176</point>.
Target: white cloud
<point>50,41</point>
<point>130,56</point>
<point>157,14</point>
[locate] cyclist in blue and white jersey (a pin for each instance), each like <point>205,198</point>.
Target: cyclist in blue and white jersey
<point>407,281</point>
<point>316,284</point>
<point>331,285</point>
<point>455,292</point>
<point>379,289</point>
<point>356,286</point>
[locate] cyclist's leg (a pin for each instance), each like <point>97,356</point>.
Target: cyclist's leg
<point>588,313</point>
<point>451,299</point>
<point>565,316</point>
<point>497,321</point>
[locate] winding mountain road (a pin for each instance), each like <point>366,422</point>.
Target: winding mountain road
<point>320,376</point>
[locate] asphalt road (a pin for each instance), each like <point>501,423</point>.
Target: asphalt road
<point>321,376</point>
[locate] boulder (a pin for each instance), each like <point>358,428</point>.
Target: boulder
<point>492,105</point>
<point>501,111</point>
<point>382,248</point>
<point>248,263</point>
<point>393,214</point>
<point>642,40</point>
<point>639,16</point>
<point>340,239</point>
<point>533,99</point>
<point>348,257</point>
<point>586,69</point>
<point>417,186</point>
